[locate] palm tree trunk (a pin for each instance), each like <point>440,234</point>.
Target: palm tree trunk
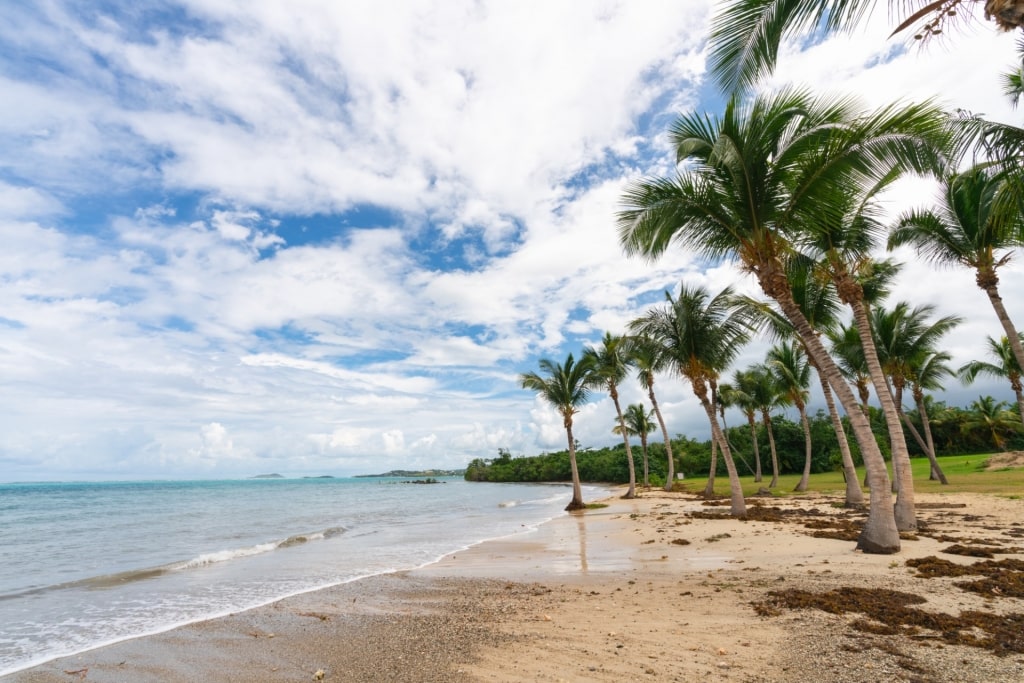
<point>992,290</point>
<point>613,391</point>
<point>1020,402</point>
<point>577,491</point>
<point>709,488</point>
<point>906,516</point>
<point>757,448</point>
<point>930,442</point>
<point>880,534</point>
<point>806,477</point>
<point>738,507</point>
<point>854,495</point>
<point>643,447</point>
<point>767,419</point>
<point>671,473</point>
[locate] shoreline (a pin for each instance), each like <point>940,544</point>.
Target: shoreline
<point>658,588</point>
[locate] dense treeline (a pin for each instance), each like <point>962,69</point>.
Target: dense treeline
<point>957,431</point>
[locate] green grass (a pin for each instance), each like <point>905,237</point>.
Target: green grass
<point>966,474</point>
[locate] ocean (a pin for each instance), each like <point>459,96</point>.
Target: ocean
<point>88,564</point>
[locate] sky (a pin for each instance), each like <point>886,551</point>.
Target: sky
<point>316,237</point>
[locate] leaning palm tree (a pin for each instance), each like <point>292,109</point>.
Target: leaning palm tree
<point>649,359</point>
<point>756,178</point>
<point>904,338</point>
<point>701,335</point>
<point>821,307</point>
<point>610,366</point>
<point>927,375</point>
<point>638,423</point>
<point>977,224</point>
<point>746,34</point>
<point>788,365</point>
<point>566,388</point>
<point>1005,367</point>
<point>841,246</point>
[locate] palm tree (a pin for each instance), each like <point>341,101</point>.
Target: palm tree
<point>992,417</point>
<point>766,396</point>
<point>742,393</point>
<point>841,245</point>
<point>745,34</point>
<point>792,373</point>
<point>756,178</point>
<point>1005,366</point>
<point>566,388</point>
<point>649,359</point>
<point>849,355</point>
<point>701,335</point>
<point>928,373</point>
<point>610,366</point>
<point>977,223</point>
<point>904,338</point>
<point>821,307</point>
<point>638,423</point>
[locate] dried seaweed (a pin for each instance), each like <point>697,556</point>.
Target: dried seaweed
<point>889,612</point>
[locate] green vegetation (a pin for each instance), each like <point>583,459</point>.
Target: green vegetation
<point>957,442</point>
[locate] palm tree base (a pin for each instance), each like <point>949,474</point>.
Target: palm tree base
<point>575,505</point>
<point>873,548</point>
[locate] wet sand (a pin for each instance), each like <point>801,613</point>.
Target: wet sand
<point>641,590</point>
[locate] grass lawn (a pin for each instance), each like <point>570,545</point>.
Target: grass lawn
<point>966,473</point>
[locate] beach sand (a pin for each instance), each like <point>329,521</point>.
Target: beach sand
<point>659,588</point>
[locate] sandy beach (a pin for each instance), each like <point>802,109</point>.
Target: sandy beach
<point>661,588</point>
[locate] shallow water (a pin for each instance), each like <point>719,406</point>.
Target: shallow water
<point>86,564</point>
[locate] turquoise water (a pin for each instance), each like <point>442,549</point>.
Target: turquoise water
<point>87,564</point>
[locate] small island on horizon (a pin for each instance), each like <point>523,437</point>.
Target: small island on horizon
<point>275,475</point>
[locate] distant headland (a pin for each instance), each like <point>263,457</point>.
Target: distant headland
<point>417,473</point>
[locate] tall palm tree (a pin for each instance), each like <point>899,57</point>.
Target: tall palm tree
<point>792,373</point>
<point>611,365</point>
<point>976,225</point>
<point>565,387</point>
<point>701,335</point>
<point>756,178</point>
<point>638,423</point>
<point>821,307</point>
<point>841,246</point>
<point>928,373</point>
<point>649,359</point>
<point>1004,367</point>
<point>992,418</point>
<point>746,34</point>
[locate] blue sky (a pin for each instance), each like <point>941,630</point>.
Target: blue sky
<point>321,238</point>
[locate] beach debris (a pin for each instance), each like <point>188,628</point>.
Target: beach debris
<point>319,675</point>
<point>315,615</point>
<point>81,673</point>
<point>546,617</point>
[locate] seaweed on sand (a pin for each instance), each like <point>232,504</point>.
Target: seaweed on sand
<point>889,612</point>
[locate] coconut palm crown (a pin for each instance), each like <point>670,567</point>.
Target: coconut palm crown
<point>565,387</point>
